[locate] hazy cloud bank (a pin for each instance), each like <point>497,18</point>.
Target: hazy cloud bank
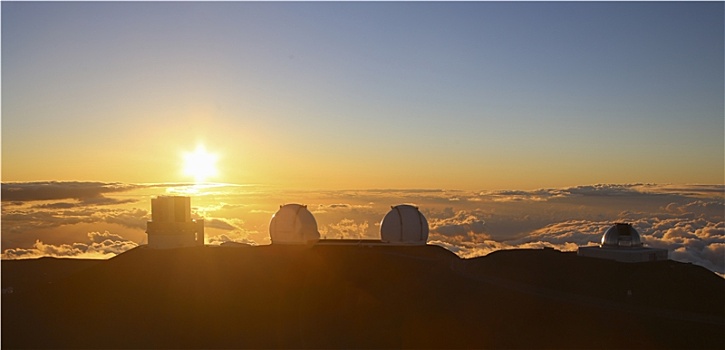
<point>686,219</point>
<point>86,192</point>
<point>17,221</point>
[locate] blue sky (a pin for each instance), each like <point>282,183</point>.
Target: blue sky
<point>359,95</point>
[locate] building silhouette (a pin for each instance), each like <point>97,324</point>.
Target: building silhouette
<point>171,225</point>
<point>621,242</point>
<point>293,224</point>
<point>404,225</point>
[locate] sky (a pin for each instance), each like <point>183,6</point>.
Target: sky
<point>510,124</point>
<point>361,95</point>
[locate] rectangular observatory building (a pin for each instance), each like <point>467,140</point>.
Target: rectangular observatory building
<point>171,225</point>
<point>631,255</point>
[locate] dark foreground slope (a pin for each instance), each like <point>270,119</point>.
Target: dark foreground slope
<point>20,276</point>
<point>365,297</point>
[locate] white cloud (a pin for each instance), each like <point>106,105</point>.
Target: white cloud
<point>460,223</point>
<point>98,237</point>
<point>345,228</point>
<point>101,246</point>
<point>233,236</point>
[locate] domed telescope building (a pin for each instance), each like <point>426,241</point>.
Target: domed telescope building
<point>293,224</point>
<point>404,225</point>
<point>621,242</point>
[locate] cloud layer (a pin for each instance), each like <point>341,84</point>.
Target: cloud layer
<point>87,192</point>
<point>686,219</point>
<point>100,245</point>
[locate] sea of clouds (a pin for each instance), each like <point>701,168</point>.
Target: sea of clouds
<point>101,220</point>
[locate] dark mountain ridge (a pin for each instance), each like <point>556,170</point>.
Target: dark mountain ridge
<point>359,297</point>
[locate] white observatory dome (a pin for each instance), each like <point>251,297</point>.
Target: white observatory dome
<point>621,235</point>
<point>404,224</point>
<point>293,224</point>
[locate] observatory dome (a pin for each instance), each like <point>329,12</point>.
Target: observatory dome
<point>404,224</point>
<point>621,235</point>
<point>293,224</point>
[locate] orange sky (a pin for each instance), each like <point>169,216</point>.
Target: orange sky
<point>365,95</point>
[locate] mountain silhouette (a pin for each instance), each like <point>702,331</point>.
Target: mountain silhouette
<point>358,296</point>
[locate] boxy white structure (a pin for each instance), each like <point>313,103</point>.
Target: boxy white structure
<point>171,225</point>
<point>622,242</point>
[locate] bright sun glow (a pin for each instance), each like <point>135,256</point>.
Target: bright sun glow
<point>200,164</point>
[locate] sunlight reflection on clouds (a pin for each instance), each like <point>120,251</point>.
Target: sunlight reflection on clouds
<point>687,220</point>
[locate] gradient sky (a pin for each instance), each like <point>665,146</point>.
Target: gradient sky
<point>365,95</point>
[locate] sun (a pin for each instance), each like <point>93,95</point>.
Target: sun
<point>200,164</point>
